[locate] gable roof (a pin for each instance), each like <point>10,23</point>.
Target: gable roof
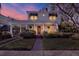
<point>4,19</point>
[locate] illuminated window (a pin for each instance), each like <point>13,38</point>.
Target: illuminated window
<point>52,18</point>
<point>33,18</point>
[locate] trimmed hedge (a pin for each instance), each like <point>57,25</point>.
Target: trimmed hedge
<point>60,44</point>
<point>57,35</point>
<point>5,36</point>
<point>28,34</point>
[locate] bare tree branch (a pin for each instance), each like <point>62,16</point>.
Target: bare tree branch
<point>76,8</point>
<point>66,14</point>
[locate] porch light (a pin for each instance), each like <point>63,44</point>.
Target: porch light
<point>43,14</point>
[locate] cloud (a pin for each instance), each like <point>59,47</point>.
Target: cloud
<point>16,11</point>
<point>30,8</point>
<point>13,13</point>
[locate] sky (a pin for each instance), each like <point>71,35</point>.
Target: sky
<point>18,10</point>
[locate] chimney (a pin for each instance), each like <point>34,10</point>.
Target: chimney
<point>44,10</point>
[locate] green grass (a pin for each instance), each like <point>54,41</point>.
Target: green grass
<point>25,44</point>
<point>60,44</point>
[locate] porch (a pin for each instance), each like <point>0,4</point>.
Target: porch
<point>39,28</point>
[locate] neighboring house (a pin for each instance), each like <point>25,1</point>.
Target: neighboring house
<point>4,23</point>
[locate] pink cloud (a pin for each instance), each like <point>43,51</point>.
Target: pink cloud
<point>13,13</point>
<point>27,8</point>
<point>30,8</point>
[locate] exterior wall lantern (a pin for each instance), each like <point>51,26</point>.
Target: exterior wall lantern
<point>43,14</point>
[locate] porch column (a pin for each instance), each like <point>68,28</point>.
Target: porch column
<point>26,26</point>
<point>43,27</point>
<point>57,27</point>
<point>20,29</point>
<point>35,29</point>
<point>11,32</point>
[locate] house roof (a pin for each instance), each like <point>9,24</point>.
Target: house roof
<point>4,19</point>
<point>8,20</point>
<point>4,28</point>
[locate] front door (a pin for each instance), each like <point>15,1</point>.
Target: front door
<point>38,30</point>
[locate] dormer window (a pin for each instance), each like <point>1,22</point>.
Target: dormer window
<point>33,16</point>
<point>52,17</point>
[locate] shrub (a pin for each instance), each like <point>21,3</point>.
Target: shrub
<point>28,34</point>
<point>57,35</point>
<point>6,36</point>
<point>49,35</point>
<point>0,36</point>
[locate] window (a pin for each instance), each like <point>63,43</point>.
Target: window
<point>33,18</point>
<point>52,18</point>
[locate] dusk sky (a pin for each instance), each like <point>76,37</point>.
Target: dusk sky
<point>18,10</point>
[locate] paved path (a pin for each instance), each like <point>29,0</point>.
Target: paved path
<point>38,44</point>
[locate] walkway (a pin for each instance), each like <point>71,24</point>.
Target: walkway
<point>38,44</point>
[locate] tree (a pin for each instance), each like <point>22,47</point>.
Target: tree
<point>66,26</point>
<point>69,12</point>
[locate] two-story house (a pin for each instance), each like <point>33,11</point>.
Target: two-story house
<point>41,21</point>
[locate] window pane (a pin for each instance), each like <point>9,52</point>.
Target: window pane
<point>52,18</point>
<point>33,17</point>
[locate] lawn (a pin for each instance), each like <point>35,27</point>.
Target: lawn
<point>55,43</point>
<point>25,44</point>
<point>60,44</point>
